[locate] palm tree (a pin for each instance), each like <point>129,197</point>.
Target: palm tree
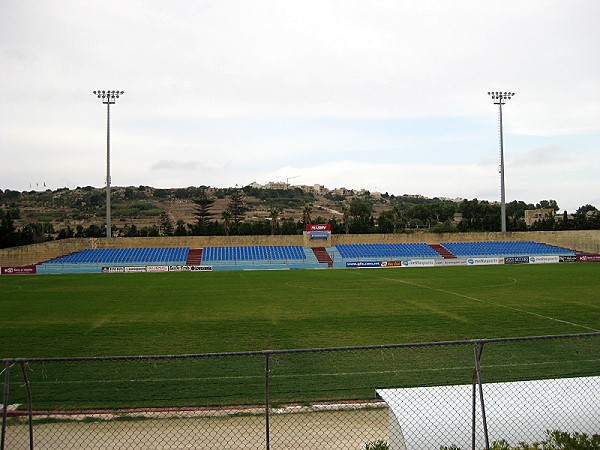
<point>306,213</point>
<point>274,215</point>
<point>226,215</point>
<point>396,213</point>
<point>346,212</point>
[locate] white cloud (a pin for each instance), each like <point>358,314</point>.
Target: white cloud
<point>231,91</point>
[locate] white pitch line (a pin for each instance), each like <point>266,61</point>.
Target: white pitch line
<point>475,299</point>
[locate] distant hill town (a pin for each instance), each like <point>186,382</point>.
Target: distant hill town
<point>273,208</point>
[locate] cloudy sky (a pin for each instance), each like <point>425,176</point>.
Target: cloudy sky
<point>389,96</point>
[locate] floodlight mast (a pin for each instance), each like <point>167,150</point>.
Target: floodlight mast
<point>500,99</point>
<point>108,98</point>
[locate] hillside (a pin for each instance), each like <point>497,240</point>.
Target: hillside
<point>146,206</point>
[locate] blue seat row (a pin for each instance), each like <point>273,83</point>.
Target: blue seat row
<point>414,250</point>
<point>125,256</point>
<point>507,248</point>
<point>253,253</point>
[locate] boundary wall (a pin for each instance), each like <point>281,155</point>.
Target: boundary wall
<point>585,241</point>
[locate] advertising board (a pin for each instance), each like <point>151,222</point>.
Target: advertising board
<point>451,262</point>
<point>319,234</point>
<point>190,268</point>
<point>197,268</point>
<point>113,269</point>
<point>544,259</point>
<point>318,227</point>
<point>567,258</point>
<point>418,263</point>
<point>363,264</point>
<point>482,261</point>
<point>157,268</point>
<point>588,258</point>
<point>18,270</point>
<point>370,264</point>
<point>391,264</point>
<point>516,260</point>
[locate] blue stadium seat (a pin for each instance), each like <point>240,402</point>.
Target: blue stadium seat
<point>125,256</point>
<point>503,248</point>
<point>386,251</point>
<point>253,253</point>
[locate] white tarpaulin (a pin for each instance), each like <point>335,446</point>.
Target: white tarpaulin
<point>431,417</point>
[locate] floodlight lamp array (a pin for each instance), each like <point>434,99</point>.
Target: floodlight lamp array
<point>501,97</point>
<point>108,94</point>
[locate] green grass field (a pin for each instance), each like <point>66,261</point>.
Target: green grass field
<point>174,313</point>
<point>183,313</point>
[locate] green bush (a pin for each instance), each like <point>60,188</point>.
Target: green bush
<point>555,440</point>
<point>377,445</point>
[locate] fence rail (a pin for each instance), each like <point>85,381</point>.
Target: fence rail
<point>308,398</point>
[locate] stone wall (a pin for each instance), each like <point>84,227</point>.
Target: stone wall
<point>581,241</point>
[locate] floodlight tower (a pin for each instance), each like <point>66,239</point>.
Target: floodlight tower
<point>108,98</point>
<point>500,99</point>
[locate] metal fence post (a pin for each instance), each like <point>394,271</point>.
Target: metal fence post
<point>267,425</point>
<point>477,376</point>
<point>5,405</point>
<point>29,405</point>
<point>473,411</point>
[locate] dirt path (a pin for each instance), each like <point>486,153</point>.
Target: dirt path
<point>314,430</point>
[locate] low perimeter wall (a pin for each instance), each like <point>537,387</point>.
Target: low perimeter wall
<point>587,241</point>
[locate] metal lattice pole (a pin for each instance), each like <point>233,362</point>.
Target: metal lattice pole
<point>108,98</point>
<point>500,99</point>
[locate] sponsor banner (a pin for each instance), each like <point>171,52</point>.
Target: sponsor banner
<point>198,268</point>
<point>319,234</point>
<point>451,262</point>
<point>392,264</point>
<point>190,268</point>
<point>418,263</point>
<point>18,270</point>
<point>135,269</point>
<point>544,259</point>
<point>588,258</point>
<point>364,264</point>
<point>318,227</point>
<point>482,261</point>
<point>516,260</point>
<point>157,268</point>
<point>567,258</point>
<point>113,269</point>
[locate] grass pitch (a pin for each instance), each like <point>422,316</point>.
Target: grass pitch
<point>190,313</point>
<point>175,313</point>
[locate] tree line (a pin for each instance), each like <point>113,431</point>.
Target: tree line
<point>357,216</point>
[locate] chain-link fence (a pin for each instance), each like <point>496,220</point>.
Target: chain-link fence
<point>464,394</point>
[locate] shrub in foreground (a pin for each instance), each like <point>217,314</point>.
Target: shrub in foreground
<point>555,440</point>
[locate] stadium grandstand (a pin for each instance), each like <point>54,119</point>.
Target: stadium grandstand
<point>289,256</point>
<point>125,256</point>
<point>517,248</point>
<point>387,251</point>
<point>254,253</point>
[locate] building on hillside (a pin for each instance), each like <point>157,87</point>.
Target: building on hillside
<point>535,215</point>
<point>277,185</point>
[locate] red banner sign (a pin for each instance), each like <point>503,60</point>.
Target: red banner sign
<point>18,270</point>
<point>318,227</point>
<point>588,258</point>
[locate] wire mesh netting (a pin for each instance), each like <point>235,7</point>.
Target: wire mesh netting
<point>428,395</point>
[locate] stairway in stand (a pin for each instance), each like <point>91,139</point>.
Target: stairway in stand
<point>322,256</point>
<point>442,251</point>
<point>194,257</point>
